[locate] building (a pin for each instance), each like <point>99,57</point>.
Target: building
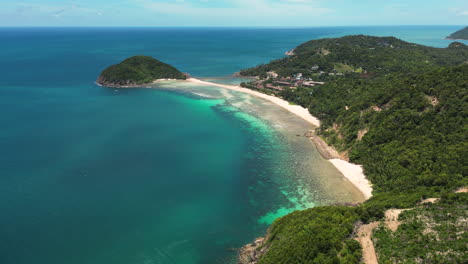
<point>270,86</point>
<point>282,83</point>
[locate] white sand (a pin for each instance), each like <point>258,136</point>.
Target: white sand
<point>352,172</point>
<point>162,80</point>
<point>295,109</point>
<point>355,175</point>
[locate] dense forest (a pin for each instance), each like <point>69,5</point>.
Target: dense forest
<point>460,34</point>
<point>362,55</point>
<point>400,110</point>
<point>138,70</point>
<point>414,127</point>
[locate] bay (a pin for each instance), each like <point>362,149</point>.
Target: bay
<point>96,175</point>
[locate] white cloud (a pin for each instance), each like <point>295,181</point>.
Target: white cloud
<point>297,1</point>
<point>239,8</point>
<point>57,11</point>
<point>459,12</point>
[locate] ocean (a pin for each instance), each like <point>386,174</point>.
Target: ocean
<point>177,174</point>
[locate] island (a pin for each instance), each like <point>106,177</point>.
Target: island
<point>460,34</point>
<point>138,71</point>
<point>399,109</point>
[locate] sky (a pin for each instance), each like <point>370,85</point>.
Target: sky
<point>232,13</point>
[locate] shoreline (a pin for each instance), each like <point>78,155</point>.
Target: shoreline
<point>353,172</point>
<point>295,109</point>
<point>109,85</point>
<point>454,39</point>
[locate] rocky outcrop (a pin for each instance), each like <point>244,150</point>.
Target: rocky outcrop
<point>290,52</point>
<point>251,253</point>
<point>121,83</point>
<point>326,151</point>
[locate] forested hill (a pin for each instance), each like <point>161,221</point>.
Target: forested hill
<point>408,132</point>
<point>400,110</point>
<point>138,70</point>
<point>460,34</point>
<point>361,54</point>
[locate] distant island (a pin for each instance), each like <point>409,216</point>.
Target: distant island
<point>460,34</point>
<point>137,71</point>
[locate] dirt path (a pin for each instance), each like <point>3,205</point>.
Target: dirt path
<point>364,237</point>
<point>391,218</point>
<point>364,234</point>
<point>430,200</point>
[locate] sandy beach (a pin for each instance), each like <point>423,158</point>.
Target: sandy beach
<point>295,109</point>
<point>354,173</point>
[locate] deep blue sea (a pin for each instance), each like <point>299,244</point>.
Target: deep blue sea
<point>90,175</point>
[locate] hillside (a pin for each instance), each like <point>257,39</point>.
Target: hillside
<point>324,59</point>
<point>137,70</point>
<point>400,110</point>
<point>460,34</point>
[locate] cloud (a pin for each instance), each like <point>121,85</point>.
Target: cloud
<point>238,8</point>
<point>74,10</point>
<point>297,1</point>
<point>459,12</point>
<point>64,10</point>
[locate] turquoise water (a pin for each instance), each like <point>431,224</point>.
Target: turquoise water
<point>95,175</point>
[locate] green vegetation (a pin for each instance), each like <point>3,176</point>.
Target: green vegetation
<point>138,70</point>
<point>416,126</point>
<point>320,235</point>
<point>375,55</point>
<point>460,34</point>
<point>434,233</point>
<point>343,68</point>
<point>400,110</point>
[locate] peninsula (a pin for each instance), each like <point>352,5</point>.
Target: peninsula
<point>137,71</point>
<point>460,34</point>
<point>398,109</point>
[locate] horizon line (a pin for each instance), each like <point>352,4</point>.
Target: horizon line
<point>418,25</point>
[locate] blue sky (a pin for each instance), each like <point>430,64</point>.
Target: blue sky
<point>232,12</point>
